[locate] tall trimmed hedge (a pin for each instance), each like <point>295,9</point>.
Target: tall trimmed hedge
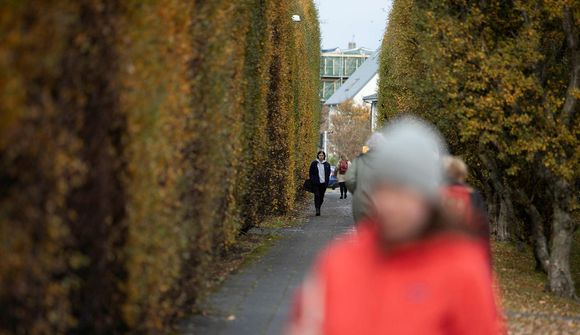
<point>137,139</point>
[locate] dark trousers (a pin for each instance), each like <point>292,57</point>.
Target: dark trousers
<point>342,189</point>
<point>319,190</point>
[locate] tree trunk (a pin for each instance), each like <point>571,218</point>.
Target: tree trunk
<point>505,206</point>
<point>493,212</point>
<point>492,205</point>
<point>505,216</point>
<point>540,243</point>
<point>539,239</point>
<point>560,278</point>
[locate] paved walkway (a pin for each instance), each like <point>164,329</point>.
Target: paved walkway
<point>256,300</point>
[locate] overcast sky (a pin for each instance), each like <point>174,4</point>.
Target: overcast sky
<point>340,20</point>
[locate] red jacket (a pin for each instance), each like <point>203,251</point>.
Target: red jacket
<point>468,207</point>
<point>438,286</point>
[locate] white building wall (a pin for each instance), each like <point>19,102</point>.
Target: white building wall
<point>369,89</point>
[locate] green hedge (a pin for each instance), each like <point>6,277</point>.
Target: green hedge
<point>137,139</point>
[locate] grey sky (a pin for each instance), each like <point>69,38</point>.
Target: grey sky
<point>341,19</point>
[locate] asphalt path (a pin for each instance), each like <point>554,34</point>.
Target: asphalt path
<point>256,299</point>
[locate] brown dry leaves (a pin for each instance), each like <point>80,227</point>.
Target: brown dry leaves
<point>529,308</point>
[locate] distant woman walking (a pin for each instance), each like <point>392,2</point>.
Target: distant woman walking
<point>319,176</point>
<point>341,170</point>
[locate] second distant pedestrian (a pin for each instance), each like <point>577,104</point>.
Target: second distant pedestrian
<point>340,172</point>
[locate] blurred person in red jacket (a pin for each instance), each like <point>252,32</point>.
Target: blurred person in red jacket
<point>407,270</point>
<point>463,202</point>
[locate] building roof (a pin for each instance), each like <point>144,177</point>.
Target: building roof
<point>356,82</point>
<point>355,51</point>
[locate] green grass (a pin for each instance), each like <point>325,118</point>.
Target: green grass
<point>281,222</point>
<point>265,243</point>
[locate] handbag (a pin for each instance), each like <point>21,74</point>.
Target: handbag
<point>308,185</point>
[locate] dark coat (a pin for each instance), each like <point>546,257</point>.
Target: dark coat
<point>314,172</point>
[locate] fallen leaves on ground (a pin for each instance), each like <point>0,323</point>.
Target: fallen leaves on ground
<point>529,308</point>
